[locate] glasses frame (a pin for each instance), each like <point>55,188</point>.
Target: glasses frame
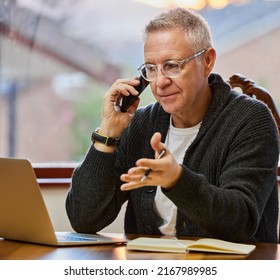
<point>181,62</point>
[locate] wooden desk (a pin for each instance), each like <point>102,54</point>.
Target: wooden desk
<point>11,250</point>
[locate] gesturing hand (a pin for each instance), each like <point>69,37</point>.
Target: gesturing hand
<point>165,171</point>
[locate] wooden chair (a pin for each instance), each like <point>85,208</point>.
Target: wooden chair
<point>250,88</point>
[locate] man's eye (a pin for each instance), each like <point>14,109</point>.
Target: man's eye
<point>171,66</point>
<point>151,68</point>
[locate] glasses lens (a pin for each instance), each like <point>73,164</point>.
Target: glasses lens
<point>150,72</point>
<point>171,68</point>
<point>143,71</point>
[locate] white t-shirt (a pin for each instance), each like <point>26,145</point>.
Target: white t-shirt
<point>177,142</point>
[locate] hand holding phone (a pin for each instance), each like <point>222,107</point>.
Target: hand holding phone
<point>126,101</point>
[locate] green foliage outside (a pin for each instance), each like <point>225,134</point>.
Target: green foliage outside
<point>87,117</point>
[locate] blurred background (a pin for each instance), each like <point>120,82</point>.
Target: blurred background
<point>58,58</point>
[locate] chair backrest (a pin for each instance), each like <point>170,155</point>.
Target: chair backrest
<point>250,88</point>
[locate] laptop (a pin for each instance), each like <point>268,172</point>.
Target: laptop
<point>24,215</point>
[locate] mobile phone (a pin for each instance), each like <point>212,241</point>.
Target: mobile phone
<point>126,101</point>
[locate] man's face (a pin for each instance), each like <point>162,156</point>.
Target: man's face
<point>180,96</point>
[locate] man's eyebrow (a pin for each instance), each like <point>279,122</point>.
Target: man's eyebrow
<point>166,60</point>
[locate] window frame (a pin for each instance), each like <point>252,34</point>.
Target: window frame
<point>59,175</point>
<point>54,175</point>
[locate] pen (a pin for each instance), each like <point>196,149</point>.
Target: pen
<point>148,171</point>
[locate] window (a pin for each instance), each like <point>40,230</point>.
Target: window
<point>58,58</point>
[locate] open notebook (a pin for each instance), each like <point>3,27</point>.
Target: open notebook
<point>23,213</point>
<point>183,246</point>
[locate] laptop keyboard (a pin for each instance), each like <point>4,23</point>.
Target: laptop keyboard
<point>74,238</point>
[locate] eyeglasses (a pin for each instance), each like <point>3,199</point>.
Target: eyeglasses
<point>170,68</point>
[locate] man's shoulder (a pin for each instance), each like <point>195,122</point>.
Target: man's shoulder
<point>248,104</point>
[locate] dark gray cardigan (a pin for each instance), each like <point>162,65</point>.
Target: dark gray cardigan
<point>228,187</point>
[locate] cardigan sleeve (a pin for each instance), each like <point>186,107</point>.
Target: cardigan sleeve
<point>94,199</point>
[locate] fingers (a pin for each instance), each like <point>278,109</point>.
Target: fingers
<point>133,179</point>
<point>166,177</point>
<point>124,87</point>
<point>153,164</point>
<point>156,143</point>
<point>146,172</point>
<point>121,87</point>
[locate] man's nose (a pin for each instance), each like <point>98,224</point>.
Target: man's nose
<point>161,79</point>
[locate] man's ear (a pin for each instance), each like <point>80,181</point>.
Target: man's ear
<point>209,59</point>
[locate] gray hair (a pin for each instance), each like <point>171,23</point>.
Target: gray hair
<point>194,25</point>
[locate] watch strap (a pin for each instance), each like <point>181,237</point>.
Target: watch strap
<point>107,140</point>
